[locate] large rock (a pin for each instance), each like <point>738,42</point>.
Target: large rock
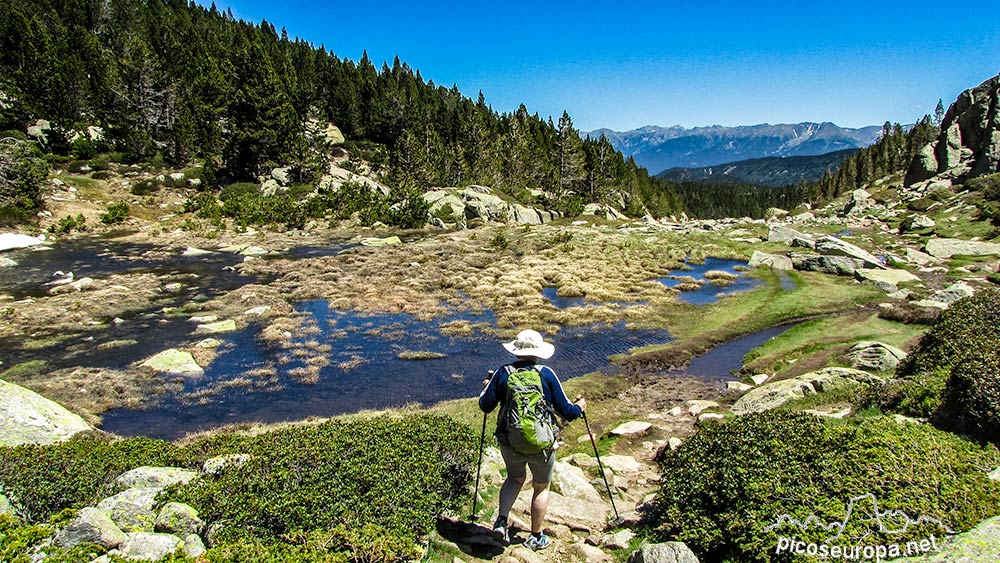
<point>174,361</point>
<point>890,277</point>
<point>571,481</point>
<point>773,261</point>
<point>145,546</point>
<point>923,166</point>
<point>146,476</point>
<point>778,233</point>
<point>13,241</point>
<point>575,513</point>
<point>631,428</point>
<point>948,247</point>
<point>485,206</point>
<point>376,242</point>
<point>179,519</point>
<point>833,246</point>
<point>835,265</point>
<point>875,356</point>
<point>90,526</point>
<point>604,211</point>
<point>777,393</point>
<point>29,418</point>
<point>969,138</point>
<point>916,223</point>
<point>132,509</point>
<point>670,552</point>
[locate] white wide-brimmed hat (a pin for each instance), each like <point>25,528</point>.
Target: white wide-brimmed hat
<point>530,344</point>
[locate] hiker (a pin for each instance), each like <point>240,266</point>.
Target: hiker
<point>530,348</point>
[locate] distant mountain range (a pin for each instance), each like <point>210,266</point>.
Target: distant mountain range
<point>661,148</point>
<point>771,171</point>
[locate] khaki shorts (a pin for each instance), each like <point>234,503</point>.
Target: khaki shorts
<point>541,464</point>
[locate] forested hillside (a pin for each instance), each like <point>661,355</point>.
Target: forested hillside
<point>773,171</point>
<point>174,81</point>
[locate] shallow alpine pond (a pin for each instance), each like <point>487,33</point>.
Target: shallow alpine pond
<point>344,362</point>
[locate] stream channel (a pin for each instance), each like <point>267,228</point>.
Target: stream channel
<point>366,369</point>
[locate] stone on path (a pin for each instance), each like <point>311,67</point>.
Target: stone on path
<point>619,540</point>
<point>174,361</point>
<point>622,463</point>
<point>669,552</point>
<point>571,481</point>
<point>695,407</point>
<point>29,418</point>
<point>674,442</point>
<point>631,428</point>
<point>587,553</point>
<point>576,513</point>
<point>777,393</point>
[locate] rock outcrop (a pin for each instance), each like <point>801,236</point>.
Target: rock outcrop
<point>479,202</point>
<point>29,418</point>
<point>777,393</point>
<point>969,142</point>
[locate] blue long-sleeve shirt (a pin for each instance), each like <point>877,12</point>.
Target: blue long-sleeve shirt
<point>496,392</point>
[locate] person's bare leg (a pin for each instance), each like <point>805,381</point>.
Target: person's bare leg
<point>539,506</point>
<point>508,494</point>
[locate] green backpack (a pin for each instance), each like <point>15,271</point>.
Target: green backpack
<point>530,427</point>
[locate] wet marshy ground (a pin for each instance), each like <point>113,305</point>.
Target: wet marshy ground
<point>375,362</point>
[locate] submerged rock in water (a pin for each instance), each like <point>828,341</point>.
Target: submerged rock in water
<point>29,418</point>
<point>228,325</point>
<point>174,361</point>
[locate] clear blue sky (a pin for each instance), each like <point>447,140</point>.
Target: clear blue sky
<point>625,65</point>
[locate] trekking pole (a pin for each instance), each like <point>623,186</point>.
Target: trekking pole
<point>601,467</point>
<point>479,464</point>
<point>479,467</point>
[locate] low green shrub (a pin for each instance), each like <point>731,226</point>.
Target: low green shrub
<point>376,485</point>
<point>69,224</point>
<point>22,173</point>
<point>725,487</point>
<point>146,187</point>
<point>115,214</point>
<point>969,329</point>
<point>989,188</point>
<point>43,480</point>
<point>971,398</point>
